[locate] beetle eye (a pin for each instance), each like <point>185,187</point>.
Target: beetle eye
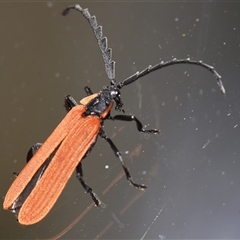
<point>114,93</point>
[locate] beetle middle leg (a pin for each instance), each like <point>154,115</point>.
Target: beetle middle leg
<point>119,156</point>
<point>33,150</point>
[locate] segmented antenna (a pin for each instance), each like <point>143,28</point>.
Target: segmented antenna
<point>110,65</point>
<point>174,61</point>
<point>102,41</point>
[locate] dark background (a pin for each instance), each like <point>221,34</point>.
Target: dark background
<point>191,169</point>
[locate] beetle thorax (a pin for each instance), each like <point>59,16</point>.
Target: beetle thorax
<point>104,101</point>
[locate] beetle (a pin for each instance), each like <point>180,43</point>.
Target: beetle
<point>51,164</point>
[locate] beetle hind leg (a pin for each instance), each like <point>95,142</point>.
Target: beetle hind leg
<point>30,154</point>
<point>88,189</point>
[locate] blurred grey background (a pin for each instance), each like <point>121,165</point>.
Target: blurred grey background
<point>191,169</point>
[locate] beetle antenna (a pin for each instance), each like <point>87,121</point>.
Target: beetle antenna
<point>174,61</point>
<point>102,41</point>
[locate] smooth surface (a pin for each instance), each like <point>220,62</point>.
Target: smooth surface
<point>192,167</point>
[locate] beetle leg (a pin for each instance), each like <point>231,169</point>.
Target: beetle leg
<point>69,103</point>
<point>44,166</point>
<point>119,156</point>
<point>88,189</point>
<point>17,204</point>
<point>79,171</point>
<point>33,150</point>
<point>132,118</point>
<point>88,91</point>
<point>30,154</point>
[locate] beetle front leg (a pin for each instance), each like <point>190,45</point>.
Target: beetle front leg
<point>132,118</point>
<point>69,102</point>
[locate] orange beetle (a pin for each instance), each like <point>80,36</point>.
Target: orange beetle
<point>38,186</point>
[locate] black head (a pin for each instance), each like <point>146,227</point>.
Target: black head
<point>116,96</point>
